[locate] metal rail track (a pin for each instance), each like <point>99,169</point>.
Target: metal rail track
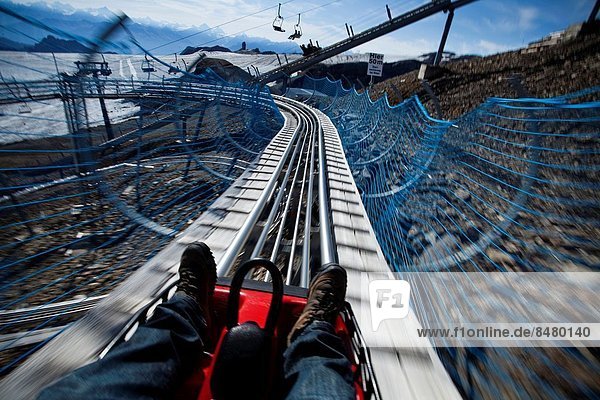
<point>32,314</point>
<point>296,204</point>
<point>244,204</point>
<point>271,235</point>
<point>11,93</point>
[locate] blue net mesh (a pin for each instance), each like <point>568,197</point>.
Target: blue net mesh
<point>99,173</point>
<point>511,186</point>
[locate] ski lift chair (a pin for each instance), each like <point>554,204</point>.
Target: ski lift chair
<point>94,68</point>
<point>103,66</point>
<point>174,67</point>
<point>297,31</point>
<point>278,21</point>
<point>147,65</point>
<point>24,108</point>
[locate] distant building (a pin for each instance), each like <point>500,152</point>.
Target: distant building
<point>553,39</point>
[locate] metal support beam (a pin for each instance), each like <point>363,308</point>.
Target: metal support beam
<point>109,131</point>
<point>77,121</point>
<point>594,12</point>
<point>438,56</point>
<point>401,21</point>
<point>434,99</point>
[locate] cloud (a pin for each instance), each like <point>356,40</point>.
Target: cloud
<point>508,20</point>
<point>490,47</point>
<point>527,17</point>
<point>395,47</point>
<point>484,47</point>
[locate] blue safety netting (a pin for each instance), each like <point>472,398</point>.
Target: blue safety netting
<point>511,186</point>
<point>98,174</point>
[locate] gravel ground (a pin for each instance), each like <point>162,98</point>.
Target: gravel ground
<point>78,242</point>
<point>464,85</point>
<point>551,233</point>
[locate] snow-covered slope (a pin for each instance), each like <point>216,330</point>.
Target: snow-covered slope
<point>47,118</point>
<point>44,119</point>
<point>33,66</point>
<point>36,120</point>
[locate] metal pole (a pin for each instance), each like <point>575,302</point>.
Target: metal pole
<point>438,56</point>
<point>305,268</point>
<point>109,131</point>
<point>594,12</point>
<point>328,251</point>
<point>360,83</point>
<point>436,102</point>
<point>138,164</point>
<point>350,84</point>
<point>56,65</point>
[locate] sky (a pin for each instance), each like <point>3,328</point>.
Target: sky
<point>483,27</point>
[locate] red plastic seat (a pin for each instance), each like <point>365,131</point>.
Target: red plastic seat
<point>254,305</point>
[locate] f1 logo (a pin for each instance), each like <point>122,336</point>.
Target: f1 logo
<point>389,300</point>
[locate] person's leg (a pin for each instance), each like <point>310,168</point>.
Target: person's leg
<point>161,353</point>
<point>148,366</point>
<point>316,366</point>
<point>315,363</point>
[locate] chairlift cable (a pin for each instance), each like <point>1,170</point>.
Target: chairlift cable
<point>218,26</point>
<point>370,16</point>
<point>264,24</point>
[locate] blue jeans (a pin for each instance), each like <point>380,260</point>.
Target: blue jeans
<point>163,352</point>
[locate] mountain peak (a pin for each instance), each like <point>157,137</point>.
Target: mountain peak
<point>88,23</point>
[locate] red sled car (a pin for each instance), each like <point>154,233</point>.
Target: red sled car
<point>250,323</point>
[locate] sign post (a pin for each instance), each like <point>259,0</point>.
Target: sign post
<point>375,66</point>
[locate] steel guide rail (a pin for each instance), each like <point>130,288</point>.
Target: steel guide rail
<point>11,317</point>
<point>85,339</point>
<point>11,93</point>
<point>304,149</point>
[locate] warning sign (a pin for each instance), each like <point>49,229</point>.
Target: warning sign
<point>375,67</point>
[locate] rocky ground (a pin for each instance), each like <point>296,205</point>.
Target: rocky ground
<point>548,230</point>
<point>464,85</point>
<point>72,239</point>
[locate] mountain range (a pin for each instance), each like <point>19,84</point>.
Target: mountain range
<point>17,35</point>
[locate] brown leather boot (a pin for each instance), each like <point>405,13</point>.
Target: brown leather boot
<point>198,274</point>
<point>326,296</point>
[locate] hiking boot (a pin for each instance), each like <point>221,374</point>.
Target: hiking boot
<point>198,274</point>
<point>326,296</point>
